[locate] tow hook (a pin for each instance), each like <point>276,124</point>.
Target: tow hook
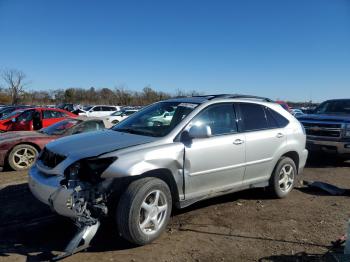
<point>81,240</point>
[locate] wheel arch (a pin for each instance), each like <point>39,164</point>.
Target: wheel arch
<point>291,154</point>
<point>294,156</point>
<point>36,146</point>
<point>167,176</point>
<point>120,184</point>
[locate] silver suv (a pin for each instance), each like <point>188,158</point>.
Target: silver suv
<point>137,171</point>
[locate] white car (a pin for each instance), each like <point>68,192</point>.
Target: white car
<point>98,110</point>
<point>297,112</point>
<point>118,116</point>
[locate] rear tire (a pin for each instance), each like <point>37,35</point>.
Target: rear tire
<point>22,157</point>
<point>144,210</point>
<point>283,177</point>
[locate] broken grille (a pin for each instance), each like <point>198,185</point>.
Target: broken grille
<point>50,159</point>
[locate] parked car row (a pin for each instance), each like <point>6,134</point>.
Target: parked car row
<point>28,119</point>
<point>18,150</point>
<point>41,125</point>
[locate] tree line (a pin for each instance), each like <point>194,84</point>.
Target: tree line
<point>14,91</point>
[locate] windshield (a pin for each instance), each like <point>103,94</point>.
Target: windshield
<point>118,113</point>
<point>334,107</point>
<point>87,108</point>
<point>156,120</point>
<point>60,127</point>
<point>13,114</point>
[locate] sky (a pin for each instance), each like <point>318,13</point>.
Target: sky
<point>293,50</point>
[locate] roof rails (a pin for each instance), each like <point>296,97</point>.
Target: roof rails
<point>210,97</point>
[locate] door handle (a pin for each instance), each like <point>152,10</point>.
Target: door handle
<point>238,142</point>
<point>279,135</point>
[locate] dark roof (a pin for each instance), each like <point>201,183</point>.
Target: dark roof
<point>190,99</point>
<point>338,99</point>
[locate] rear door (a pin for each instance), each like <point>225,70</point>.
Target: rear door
<point>215,163</point>
<point>264,138</point>
<point>50,117</point>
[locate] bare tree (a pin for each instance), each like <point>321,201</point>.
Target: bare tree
<point>14,80</point>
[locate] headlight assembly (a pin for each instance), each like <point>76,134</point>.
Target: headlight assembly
<point>89,169</point>
<point>74,171</point>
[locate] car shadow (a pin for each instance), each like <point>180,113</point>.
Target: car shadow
<point>30,228</point>
<point>323,160</point>
<point>258,194</point>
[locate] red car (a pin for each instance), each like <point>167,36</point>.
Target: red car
<point>284,105</point>
<point>33,119</point>
<point>19,149</point>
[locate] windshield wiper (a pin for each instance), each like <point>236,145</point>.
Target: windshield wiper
<point>41,131</point>
<point>134,131</point>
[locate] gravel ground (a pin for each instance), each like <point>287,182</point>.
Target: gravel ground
<point>244,226</point>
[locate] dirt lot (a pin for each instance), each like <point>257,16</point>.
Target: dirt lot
<point>245,226</point>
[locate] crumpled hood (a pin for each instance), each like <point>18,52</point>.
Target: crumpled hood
<point>20,135</point>
<point>324,117</point>
<point>95,143</point>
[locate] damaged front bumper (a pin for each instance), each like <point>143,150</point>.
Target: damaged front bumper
<point>49,191</point>
<point>78,200</point>
<point>85,204</point>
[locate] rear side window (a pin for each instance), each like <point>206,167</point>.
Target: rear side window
<point>253,117</point>
<point>275,120</point>
<point>52,114</point>
<point>105,108</point>
<point>26,116</point>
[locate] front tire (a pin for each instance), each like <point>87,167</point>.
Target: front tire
<point>144,210</point>
<point>283,177</point>
<point>22,157</point>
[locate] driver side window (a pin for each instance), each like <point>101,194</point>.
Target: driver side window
<point>26,116</point>
<point>220,118</point>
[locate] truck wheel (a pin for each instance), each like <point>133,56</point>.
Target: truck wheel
<point>283,177</point>
<point>22,157</point>
<point>144,210</point>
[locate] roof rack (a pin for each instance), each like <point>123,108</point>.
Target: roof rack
<point>210,97</point>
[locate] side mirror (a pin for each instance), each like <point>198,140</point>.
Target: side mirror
<point>202,131</point>
<point>14,120</point>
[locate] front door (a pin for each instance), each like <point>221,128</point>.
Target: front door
<point>215,163</point>
<point>95,111</point>
<point>24,122</point>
